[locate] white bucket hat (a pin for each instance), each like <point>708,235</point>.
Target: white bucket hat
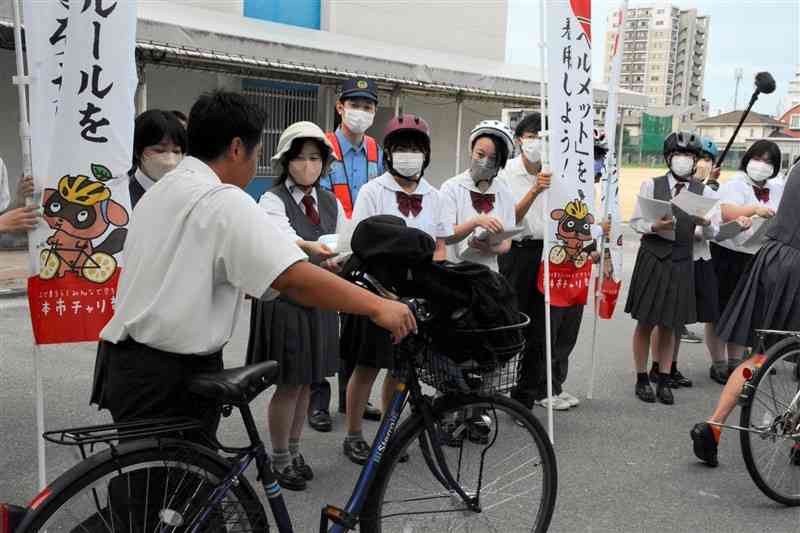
<point>300,130</point>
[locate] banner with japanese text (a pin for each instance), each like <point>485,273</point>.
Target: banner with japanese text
<point>610,279</point>
<point>571,152</point>
<point>83,81</point>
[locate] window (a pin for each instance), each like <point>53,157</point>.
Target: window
<point>659,11</point>
<point>795,122</point>
<point>659,23</point>
<point>653,78</point>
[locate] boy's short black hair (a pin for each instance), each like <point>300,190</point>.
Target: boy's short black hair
<point>763,147</point>
<point>181,115</point>
<point>532,123</point>
<point>219,117</point>
<point>151,127</point>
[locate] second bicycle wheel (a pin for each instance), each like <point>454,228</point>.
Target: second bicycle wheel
<point>496,450</point>
<point>772,454</point>
<point>148,486</point>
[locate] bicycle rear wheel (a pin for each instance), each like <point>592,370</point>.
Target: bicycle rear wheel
<point>147,486</point>
<point>513,473</point>
<point>771,454</point>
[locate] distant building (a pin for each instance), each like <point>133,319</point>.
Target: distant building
<point>665,54</point>
<point>756,126</point>
<point>794,89</point>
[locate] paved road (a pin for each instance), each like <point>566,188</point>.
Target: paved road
<point>623,465</point>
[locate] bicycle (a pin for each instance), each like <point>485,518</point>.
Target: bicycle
<point>97,267</point>
<point>769,430</point>
<point>513,476</point>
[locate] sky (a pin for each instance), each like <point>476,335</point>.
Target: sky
<point>754,35</point>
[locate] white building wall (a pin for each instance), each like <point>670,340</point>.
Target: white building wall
<point>225,6</point>
<point>471,27</point>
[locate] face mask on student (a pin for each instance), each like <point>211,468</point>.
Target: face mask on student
<point>482,170</point>
<point>305,172</point>
<point>408,164</point>
<point>532,148</point>
<point>682,165</point>
<point>358,121</point>
<point>759,171</point>
<point>157,165</point>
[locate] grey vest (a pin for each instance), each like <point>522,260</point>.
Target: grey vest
<point>306,230</point>
<point>682,248</point>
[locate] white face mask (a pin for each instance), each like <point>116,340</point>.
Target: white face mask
<point>682,165</point>
<point>358,121</point>
<point>156,166</point>
<point>532,148</point>
<point>482,170</point>
<point>305,172</point>
<point>759,171</point>
<point>408,164</point>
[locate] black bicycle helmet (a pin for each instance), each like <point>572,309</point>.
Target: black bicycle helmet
<point>682,141</point>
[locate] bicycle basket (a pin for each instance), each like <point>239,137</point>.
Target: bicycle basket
<point>496,370</point>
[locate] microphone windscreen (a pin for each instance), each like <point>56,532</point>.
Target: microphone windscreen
<point>765,83</point>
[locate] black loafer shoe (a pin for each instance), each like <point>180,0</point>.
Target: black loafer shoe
<point>645,392</point>
<point>679,380</point>
<point>357,451</point>
<point>302,468</point>
<point>320,421</point>
<point>289,479</point>
<point>664,394</point>
<point>372,413</point>
<point>720,377</point>
<point>653,375</point>
<point>705,445</point>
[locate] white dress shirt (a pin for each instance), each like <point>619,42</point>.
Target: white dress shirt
<point>144,180</point>
<point>644,226</point>
<point>379,197</point>
<point>738,191</point>
<point>5,195</point>
<point>520,182</point>
<point>195,245</point>
<point>457,192</point>
<point>276,209</point>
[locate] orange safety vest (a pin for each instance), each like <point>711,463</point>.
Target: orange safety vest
<point>340,182</point>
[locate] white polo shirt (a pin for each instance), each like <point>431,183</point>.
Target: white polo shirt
<point>457,191</point>
<point>379,197</point>
<point>738,190</point>
<point>195,246</point>
<point>520,182</point>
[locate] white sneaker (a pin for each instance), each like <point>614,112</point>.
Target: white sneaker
<point>558,403</point>
<point>569,398</point>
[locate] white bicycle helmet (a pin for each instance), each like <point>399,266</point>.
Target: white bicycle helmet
<point>495,128</point>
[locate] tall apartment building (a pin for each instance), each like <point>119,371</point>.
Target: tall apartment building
<point>794,89</point>
<point>665,54</point>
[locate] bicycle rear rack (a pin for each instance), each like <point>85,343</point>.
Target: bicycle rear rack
<point>111,433</point>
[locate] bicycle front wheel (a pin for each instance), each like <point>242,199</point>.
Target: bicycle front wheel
<point>772,452</point>
<point>147,486</point>
<point>497,452</point>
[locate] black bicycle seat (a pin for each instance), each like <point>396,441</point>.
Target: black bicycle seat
<point>237,385</point>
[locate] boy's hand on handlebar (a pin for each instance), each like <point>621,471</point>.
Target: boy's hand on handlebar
<point>397,318</point>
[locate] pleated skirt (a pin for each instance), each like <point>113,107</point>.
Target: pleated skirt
<point>729,266</point>
<point>365,344</point>
<point>767,296</point>
<point>706,290</point>
<point>304,341</point>
<point>662,291</point>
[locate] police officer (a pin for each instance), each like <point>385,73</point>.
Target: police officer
<point>359,159</point>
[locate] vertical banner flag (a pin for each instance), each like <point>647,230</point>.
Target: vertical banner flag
<point>571,123</point>
<point>83,80</point>
<point>610,278</point>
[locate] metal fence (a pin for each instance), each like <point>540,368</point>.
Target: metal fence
<point>284,104</point>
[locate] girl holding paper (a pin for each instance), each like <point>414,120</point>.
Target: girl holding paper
<point>403,192</point>
<point>304,341</point>
<point>480,205</point>
<point>662,294</point>
<point>748,193</point>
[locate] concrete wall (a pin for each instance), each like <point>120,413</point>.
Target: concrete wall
<point>472,27</point>
<point>10,148</point>
<point>226,6</point>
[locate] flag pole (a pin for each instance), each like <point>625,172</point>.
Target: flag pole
<point>22,82</point>
<point>546,243</point>
<point>612,170</point>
